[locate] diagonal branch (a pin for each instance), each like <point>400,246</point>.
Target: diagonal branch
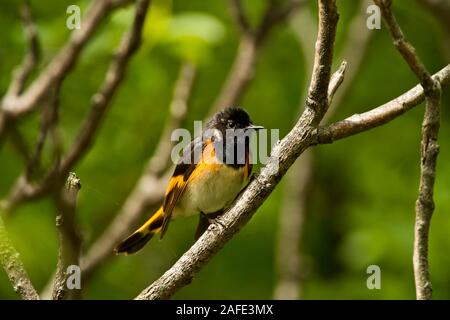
<point>429,152</point>
<point>13,266</point>
<point>283,156</point>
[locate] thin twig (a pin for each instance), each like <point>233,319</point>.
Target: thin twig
<point>429,152</point>
<point>283,155</point>
<point>14,268</point>
<point>69,238</point>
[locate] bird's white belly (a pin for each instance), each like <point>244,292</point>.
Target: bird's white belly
<point>210,192</point>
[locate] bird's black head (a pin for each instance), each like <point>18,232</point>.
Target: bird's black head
<point>231,118</point>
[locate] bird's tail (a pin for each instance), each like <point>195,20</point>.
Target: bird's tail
<point>141,236</point>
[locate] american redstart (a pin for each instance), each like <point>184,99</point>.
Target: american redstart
<point>210,173</point>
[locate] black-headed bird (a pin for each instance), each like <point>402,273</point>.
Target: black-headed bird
<point>210,173</point>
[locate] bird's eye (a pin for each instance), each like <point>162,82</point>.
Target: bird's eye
<point>230,123</point>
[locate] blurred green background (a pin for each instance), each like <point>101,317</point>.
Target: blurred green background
<point>361,208</point>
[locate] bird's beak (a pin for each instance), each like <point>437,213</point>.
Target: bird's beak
<point>253,127</point>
